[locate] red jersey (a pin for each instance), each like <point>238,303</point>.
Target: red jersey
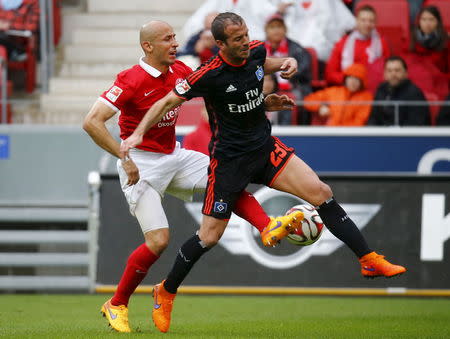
<point>333,72</point>
<point>135,91</point>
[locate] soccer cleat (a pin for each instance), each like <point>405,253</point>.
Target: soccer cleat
<point>117,316</point>
<point>163,303</point>
<point>374,265</point>
<point>280,227</point>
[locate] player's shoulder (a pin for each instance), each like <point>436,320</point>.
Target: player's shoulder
<point>131,76</point>
<point>256,44</point>
<point>257,49</point>
<point>207,69</point>
<point>181,68</point>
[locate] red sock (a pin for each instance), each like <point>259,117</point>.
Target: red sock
<point>248,208</point>
<point>137,266</point>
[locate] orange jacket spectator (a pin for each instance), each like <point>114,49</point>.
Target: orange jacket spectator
<point>351,91</point>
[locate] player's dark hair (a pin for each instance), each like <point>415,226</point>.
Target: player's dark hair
<point>222,21</point>
<point>397,58</point>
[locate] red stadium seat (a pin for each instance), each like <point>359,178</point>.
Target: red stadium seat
<point>392,22</point>
<point>316,81</point>
<point>434,109</point>
<point>57,24</point>
<point>444,8</point>
<point>190,113</point>
<point>28,65</point>
<point>9,88</point>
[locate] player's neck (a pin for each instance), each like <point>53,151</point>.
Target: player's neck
<point>160,67</point>
<point>232,61</point>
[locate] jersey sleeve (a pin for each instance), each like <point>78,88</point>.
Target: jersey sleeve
<point>258,49</point>
<point>192,86</point>
<point>119,93</point>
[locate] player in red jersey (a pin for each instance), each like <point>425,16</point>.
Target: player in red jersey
<point>231,85</point>
<point>159,164</point>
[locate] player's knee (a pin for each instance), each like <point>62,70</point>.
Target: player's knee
<point>322,192</point>
<point>157,242</point>
<point>210,240</point>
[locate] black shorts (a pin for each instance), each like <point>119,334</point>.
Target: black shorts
<point>228,178</point>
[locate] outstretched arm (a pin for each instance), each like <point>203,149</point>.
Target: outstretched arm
<point>154,114</point>
<point>288,66</point>
<point>94,125</point>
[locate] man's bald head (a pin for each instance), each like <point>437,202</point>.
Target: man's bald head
<point>152,29</point>
<point>158,43</point>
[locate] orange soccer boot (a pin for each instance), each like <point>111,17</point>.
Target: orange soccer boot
<point>374,265</point>
<point>280,227</point>
<point>162,308</point>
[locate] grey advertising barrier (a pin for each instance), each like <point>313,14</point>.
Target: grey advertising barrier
<point>403,217</point>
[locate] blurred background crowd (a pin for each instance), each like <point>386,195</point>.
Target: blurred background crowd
<point>361,62</point>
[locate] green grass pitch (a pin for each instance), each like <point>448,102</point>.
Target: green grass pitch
<point>78,316</point>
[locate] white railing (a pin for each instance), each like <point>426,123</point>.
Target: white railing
<point>4,90</point>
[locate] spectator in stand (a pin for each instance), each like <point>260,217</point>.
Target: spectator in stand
<point>429,38</point>
<point>17,15</point>
<point>354,89</point>
<point>363,45</point>
<point>397,87</point>
<point>254,13</point>
<point>278,45</point>
<point>202,44</point>
<point>198,140</point>
<point>317,24</point>
<point>443,118</point>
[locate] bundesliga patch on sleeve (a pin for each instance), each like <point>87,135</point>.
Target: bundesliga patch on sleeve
<point>114,93</point>
<point>183,87</point>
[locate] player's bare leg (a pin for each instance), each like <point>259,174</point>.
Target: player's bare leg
<point>299,179</point>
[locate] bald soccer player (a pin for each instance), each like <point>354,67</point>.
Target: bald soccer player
<point>159,164</point>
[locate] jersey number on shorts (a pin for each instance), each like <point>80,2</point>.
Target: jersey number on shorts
<point>277,155</point>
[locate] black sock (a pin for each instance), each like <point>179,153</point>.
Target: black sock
<point>342,227</point>
<point>187,256</point>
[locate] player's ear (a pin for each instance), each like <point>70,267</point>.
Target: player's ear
<point>147,46</point>
<point>220,44</point>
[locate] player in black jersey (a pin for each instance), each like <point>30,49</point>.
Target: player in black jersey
<point>243,151</point>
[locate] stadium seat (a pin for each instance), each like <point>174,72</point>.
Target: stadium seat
<point>434,109</point>
<point>316,81</point>
<point>3,63</point>
<point>392,22</point>
<point>28,65</point>
<point>444,8</point>
<point>57,25</point>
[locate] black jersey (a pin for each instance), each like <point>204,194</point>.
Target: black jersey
<point>234,101</point>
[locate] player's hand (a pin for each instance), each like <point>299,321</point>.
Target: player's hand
<point>132,171</point>
<point>289,68</point>
<point>132,141</point>
<point>275,102</point>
